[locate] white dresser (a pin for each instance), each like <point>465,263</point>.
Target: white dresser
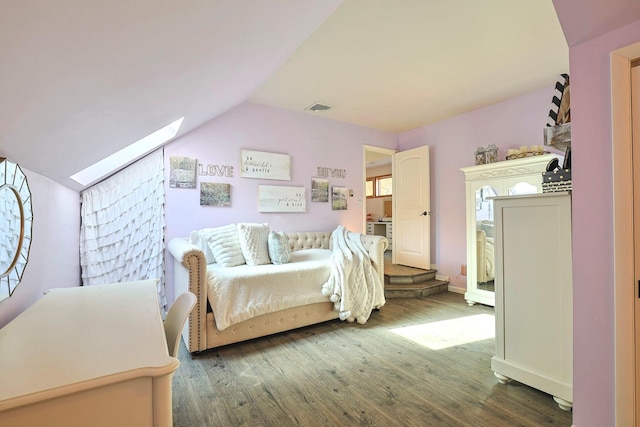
<point>482,183</point>
<point>382,228</point>
<point>88,356</point>
<point>534,293</point>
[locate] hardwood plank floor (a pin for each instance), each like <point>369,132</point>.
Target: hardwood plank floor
<point>340,374</point>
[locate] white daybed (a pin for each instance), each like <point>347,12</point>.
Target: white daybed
<point>191,272</point>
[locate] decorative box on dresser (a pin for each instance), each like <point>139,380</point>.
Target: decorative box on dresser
<point>534,293</point>
<point>482,182</point>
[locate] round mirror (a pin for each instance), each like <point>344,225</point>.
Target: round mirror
<point>15,227</point>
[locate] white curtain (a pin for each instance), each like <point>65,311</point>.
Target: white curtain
<point>122,228</point>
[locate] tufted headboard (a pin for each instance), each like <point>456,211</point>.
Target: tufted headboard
<point>309,240</point>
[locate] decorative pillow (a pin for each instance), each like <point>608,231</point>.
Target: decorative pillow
<point>279,250</point>
<point>202,238</point>
<point>225,245</point>
<point>253,242</point>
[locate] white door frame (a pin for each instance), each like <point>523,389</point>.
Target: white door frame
<point>624,280</point>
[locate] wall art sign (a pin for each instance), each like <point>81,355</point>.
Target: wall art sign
<point>257,164</point>
<point>319,190</point>
<point>215,194</point>
<point>182,172</point>
<point>331,172</point>
<point>272,198</point>
<point>215,170</point>
<point>339,198</point>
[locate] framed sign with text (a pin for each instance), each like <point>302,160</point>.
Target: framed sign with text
<point>257,164</point>
<point>273,198</point>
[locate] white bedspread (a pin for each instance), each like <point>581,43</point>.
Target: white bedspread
<point>242,292</point>
<point>354,286</point>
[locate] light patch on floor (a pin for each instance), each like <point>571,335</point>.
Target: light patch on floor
<point>450,333</point>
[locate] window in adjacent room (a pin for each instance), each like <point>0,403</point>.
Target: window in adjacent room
<point>384,186</point>
<point>379,186</point>
<point>369,187</point>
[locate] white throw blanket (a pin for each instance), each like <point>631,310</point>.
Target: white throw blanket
<point>354,287</point>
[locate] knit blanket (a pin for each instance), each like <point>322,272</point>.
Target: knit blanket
<point>354,287</point>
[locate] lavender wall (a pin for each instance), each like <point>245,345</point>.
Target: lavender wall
<point>310,141</point>
<point>593,258</point>
<point>54,261</point>
<point>509,124</point>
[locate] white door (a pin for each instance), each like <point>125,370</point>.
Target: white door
<point>411,208</point>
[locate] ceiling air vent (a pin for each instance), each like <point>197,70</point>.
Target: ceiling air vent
<point>318,107</point>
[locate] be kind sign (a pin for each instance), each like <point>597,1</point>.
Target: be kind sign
<point>281,199</point>
<point>257,164</point>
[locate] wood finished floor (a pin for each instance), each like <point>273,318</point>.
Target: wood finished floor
<point>339,374</point>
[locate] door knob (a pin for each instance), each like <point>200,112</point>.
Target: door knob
<point>425,213</point>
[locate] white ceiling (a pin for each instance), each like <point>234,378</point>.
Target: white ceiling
<point>398,65</point>
<point>80,80</point>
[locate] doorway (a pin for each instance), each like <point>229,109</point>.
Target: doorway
<point>377,206</point>
<point>408,226</point>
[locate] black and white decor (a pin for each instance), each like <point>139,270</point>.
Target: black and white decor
<point>561,85</point>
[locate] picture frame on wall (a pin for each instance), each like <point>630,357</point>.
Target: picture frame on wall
<point>215,194</point>
<point>319,190</point>
<point>339,197</point>
<point>182,172</point>
<point>275,198</point>
<point>258,164</point>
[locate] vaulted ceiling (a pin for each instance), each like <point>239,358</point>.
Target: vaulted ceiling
<point>81,80</point>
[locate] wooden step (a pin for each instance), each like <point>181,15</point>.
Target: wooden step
<point>416,276</point>
<point>414,290</point>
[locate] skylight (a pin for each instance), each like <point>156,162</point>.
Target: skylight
<point>115,161</point>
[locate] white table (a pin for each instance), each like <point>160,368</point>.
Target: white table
<point>87,356</point>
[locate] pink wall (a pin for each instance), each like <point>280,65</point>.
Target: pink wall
<point>310,141</point>
<point>593,259</point>
<point>54,261</point>
<point>509,124</point>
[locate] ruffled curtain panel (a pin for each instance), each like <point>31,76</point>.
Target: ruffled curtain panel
<point>122,226</point>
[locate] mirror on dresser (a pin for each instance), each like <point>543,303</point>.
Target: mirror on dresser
<point>15,227</point>
<point>485,254</point>
<point>483,182</point>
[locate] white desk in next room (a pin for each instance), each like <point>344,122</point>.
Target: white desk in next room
<point>381,228</point>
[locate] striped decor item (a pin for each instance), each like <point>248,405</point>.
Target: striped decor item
<point>557,98</point>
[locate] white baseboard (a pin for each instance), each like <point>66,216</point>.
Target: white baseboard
<point>456,289</point>
<point>441,277</point>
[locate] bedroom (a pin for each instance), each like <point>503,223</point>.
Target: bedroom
<point>592,31</point>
